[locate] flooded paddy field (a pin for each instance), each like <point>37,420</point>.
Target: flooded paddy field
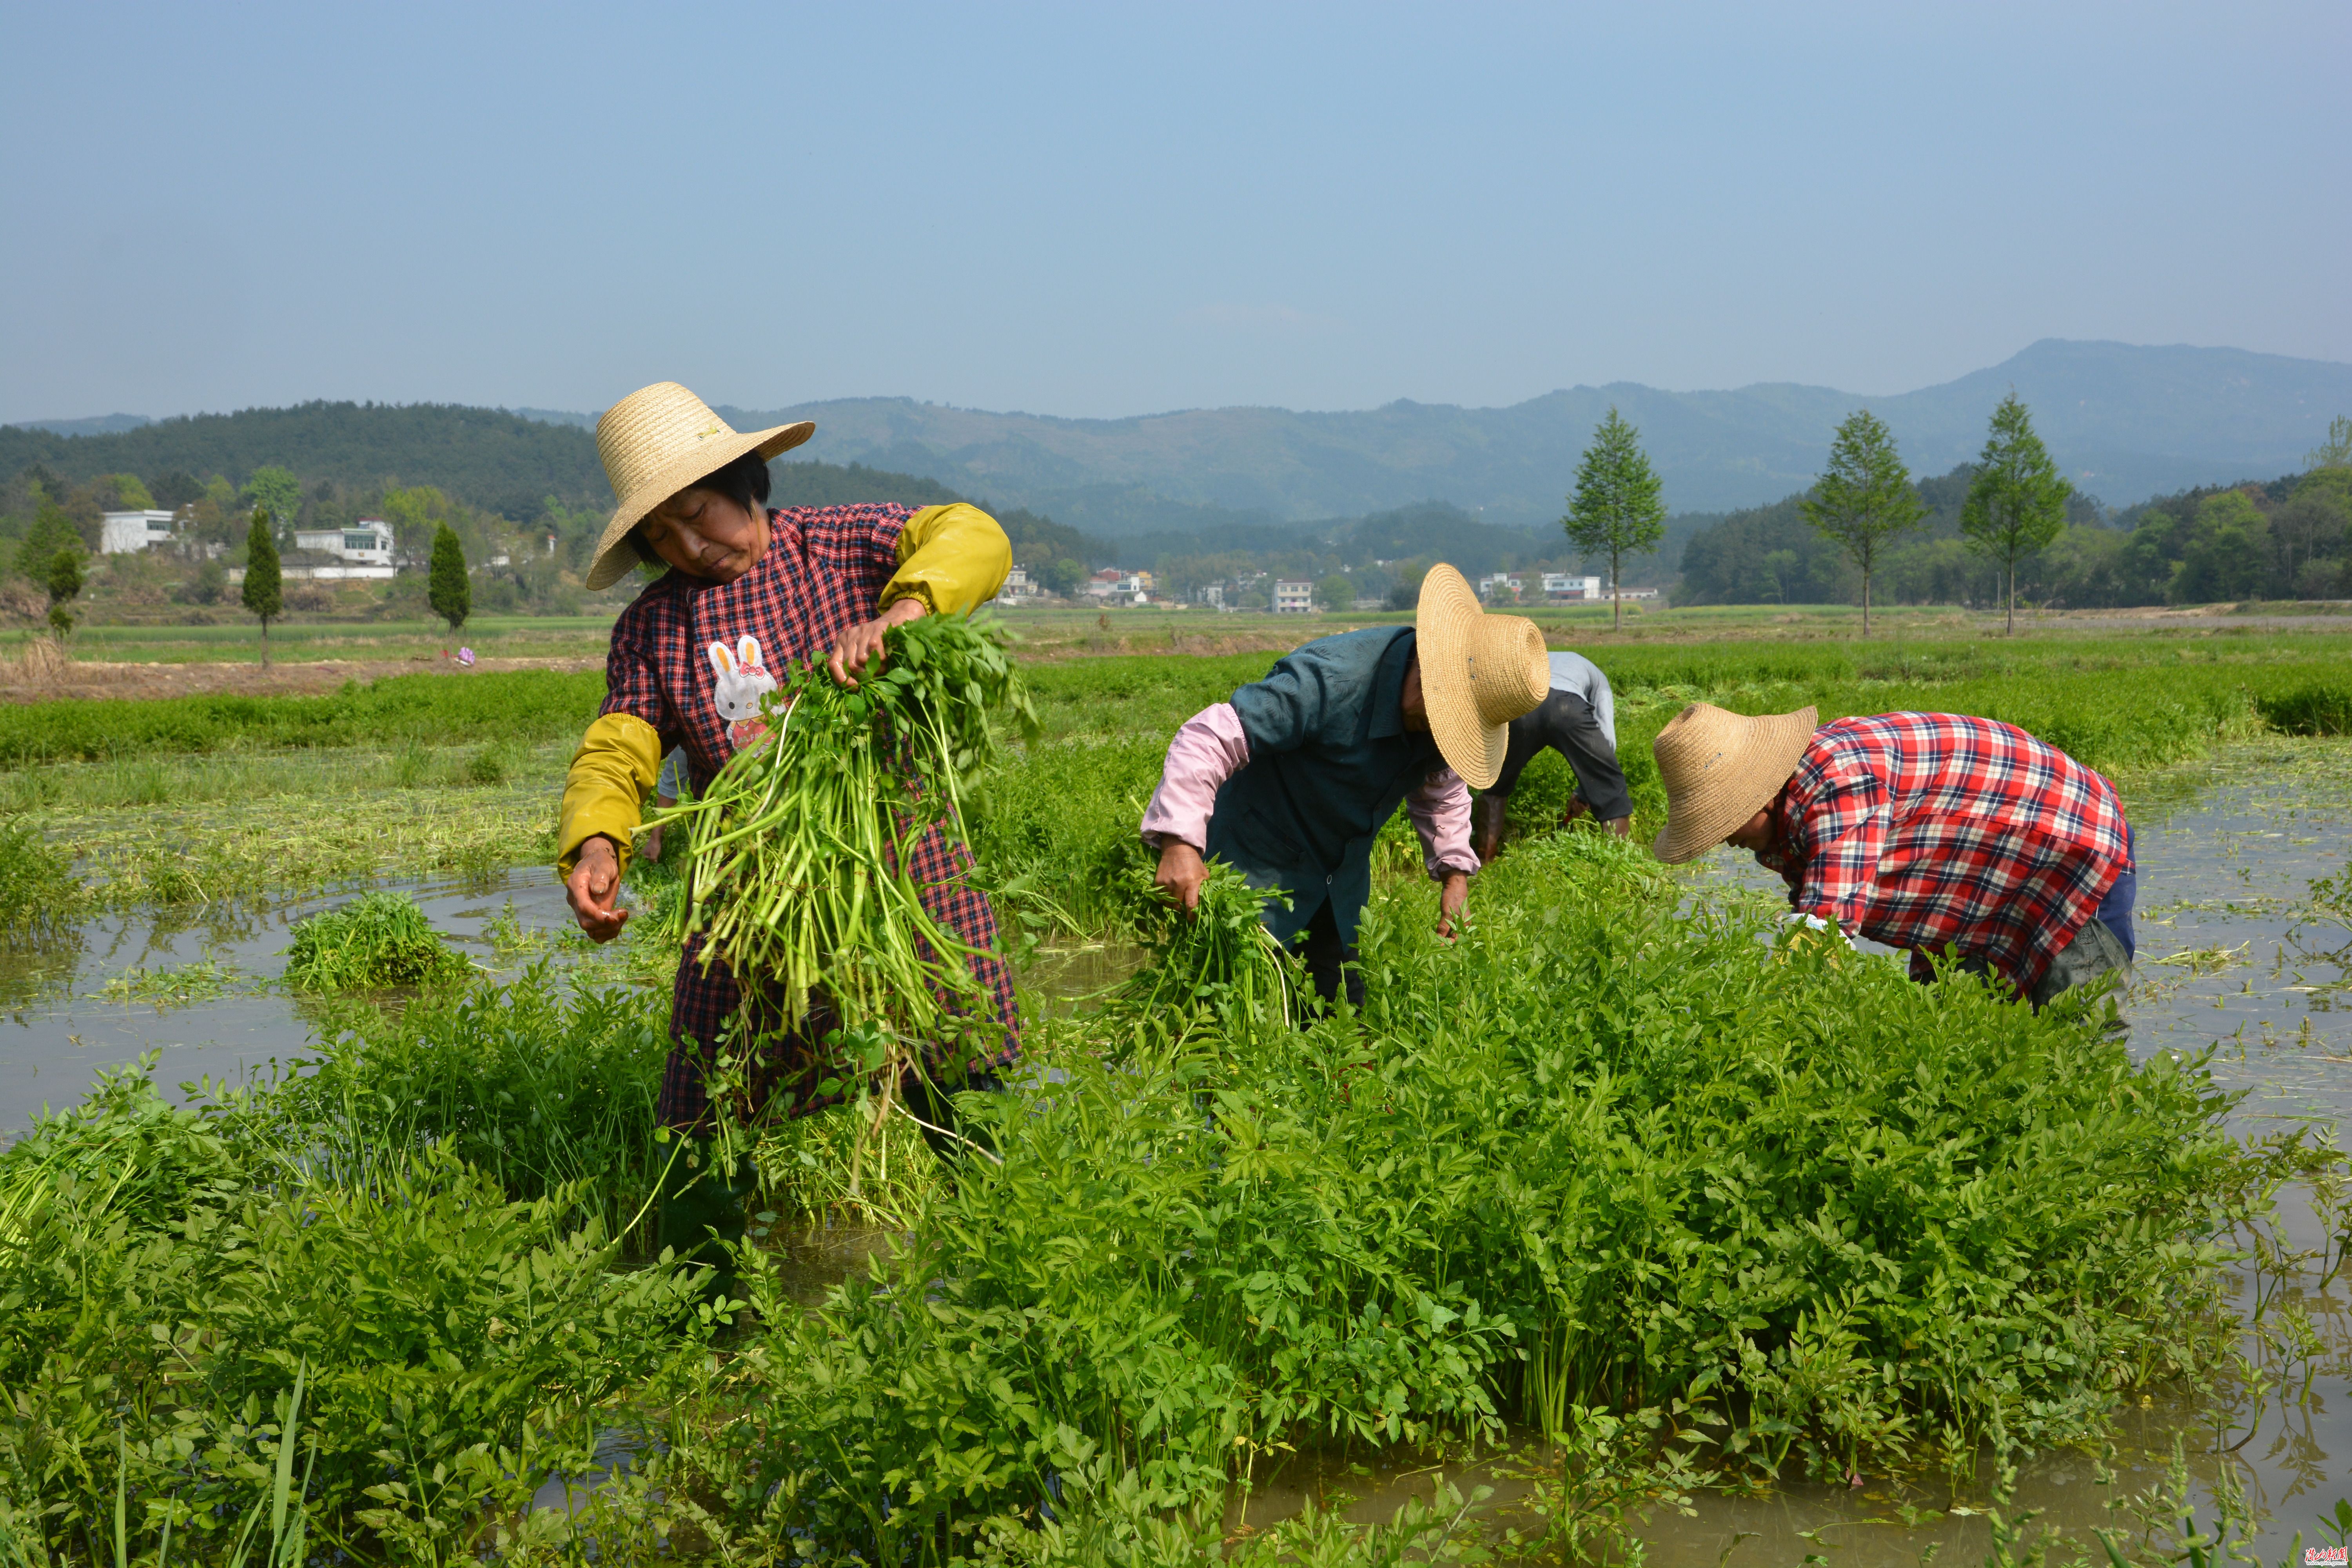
<point>2237,957</point>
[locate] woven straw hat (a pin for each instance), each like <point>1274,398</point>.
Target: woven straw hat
<point>655,442</point>
<point>1478,672</point>
<point>1721,768</point>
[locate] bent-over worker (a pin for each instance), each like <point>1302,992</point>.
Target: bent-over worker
<point>1290,781</point>
<point>751,588</point>
<point>1578,718</point>
<point>1924,831</point>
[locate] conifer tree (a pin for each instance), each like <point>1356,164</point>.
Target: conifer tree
<point>1615,510</point>
<point>450,594</point>
<point>64,584</point>
<point>1865,498</point>
<point>2017,502</point>
<point>265,585</point>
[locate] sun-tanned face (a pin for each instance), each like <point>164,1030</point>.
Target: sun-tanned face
<point>1755,834</point>
<point>706,534</point>
<point>1416,711</point>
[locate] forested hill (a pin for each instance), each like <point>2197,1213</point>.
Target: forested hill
<point>495,460</point>
<point>2126,421</point>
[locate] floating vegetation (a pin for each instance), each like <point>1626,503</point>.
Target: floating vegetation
<point>39,894</point>
<point>2206,959</point>
<point>182,985</point>
<point>378,941</point>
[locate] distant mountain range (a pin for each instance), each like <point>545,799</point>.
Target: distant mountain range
<point>2126,423</point>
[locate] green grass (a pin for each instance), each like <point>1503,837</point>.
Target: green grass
<point>512,707</point>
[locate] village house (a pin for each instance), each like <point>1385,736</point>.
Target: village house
<point>1294,598</point>
<point>123,533</point>
<point>1558,587</point>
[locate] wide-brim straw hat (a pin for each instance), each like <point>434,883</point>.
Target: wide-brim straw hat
<point>655,442</point>
<point>1478,672</point>
<point>1720,768</point>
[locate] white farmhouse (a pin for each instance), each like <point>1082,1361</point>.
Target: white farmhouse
<point>367,543</point>
<point>1559,586</point>
<point>1294,598</point>
<point>126,532</point>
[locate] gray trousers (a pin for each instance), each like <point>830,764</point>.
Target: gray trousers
<point>2095,951</point>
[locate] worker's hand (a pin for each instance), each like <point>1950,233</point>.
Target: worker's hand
<point>594,883</point>
<point>1453,893</point>
<point>1622,827</point>
<point>1182,873</point>
<point>861,645</point>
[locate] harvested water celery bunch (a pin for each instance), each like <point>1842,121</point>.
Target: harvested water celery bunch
<point>797,871</point>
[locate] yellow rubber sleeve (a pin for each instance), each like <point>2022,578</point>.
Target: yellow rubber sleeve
<point>611,778</point>
<point>953,558</point>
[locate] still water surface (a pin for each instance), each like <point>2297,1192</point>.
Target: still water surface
<point>2230,958</point>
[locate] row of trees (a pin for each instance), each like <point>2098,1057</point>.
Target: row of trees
<point>2288,538</point>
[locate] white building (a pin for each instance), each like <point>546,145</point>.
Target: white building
<point>1559,586</point>
<point>1017,587</point>
<point>126,532</point>
<point>367,543</point>
<point>1294,598</point>
<point>1497,584</point>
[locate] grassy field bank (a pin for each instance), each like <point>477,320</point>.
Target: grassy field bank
<point>205,795</point>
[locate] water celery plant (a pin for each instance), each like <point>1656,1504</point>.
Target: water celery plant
<point>799,860</point>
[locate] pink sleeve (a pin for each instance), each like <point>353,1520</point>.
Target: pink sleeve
<point>1440,808</point>
<point>1209,749</point>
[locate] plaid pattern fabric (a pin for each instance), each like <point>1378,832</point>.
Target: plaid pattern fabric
<point>1923,830</point>
<point>825,569</point>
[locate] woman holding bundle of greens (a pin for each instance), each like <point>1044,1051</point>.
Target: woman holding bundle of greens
<point>750,589</point>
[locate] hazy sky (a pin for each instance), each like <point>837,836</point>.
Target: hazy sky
<point>1103,210</point>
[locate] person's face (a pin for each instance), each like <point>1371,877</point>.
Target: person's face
<point>1416,711</point>
<point>706,534</point>
<point>1755,834</point>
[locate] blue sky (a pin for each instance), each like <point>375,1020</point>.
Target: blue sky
<point>1107,210</point>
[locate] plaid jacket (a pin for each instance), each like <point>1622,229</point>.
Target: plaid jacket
<point>1923,830</point>
<point>825,569</point>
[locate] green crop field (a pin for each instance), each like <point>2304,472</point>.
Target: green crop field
<point>1617,1188</point>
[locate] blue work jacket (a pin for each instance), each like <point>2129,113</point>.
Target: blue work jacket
<point>1330,761</point>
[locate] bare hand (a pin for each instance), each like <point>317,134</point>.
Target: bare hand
<point>594,883</point>
<point>1182,873</point>
<point>1453,893</point>
<point>861,645</point>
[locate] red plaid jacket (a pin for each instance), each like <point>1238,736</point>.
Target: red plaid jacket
<point>1929,831</point>
<point>825,568</point>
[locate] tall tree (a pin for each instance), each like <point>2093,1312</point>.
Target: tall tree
<point>64,584</point>
<point>265,584</point>
<point>1864,498</point>
<point>2336,452</point>
<point>451,596</point>
<point>2017,501</point>
<point>1615,510</point>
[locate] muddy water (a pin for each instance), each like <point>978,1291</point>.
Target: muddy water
<point>2231,959</point>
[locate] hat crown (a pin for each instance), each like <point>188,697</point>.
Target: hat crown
<point>644,436</point>
<point>1509,673</point>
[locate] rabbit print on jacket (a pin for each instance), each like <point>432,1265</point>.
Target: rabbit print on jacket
<point>743,681</point>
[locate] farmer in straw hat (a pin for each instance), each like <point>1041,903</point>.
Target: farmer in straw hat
<point>1290,781</point>
<point>1930,832</point>
<point>747,589</point>
<point>1578,718</point>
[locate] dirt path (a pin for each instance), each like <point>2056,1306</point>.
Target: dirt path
<point>33,679</point>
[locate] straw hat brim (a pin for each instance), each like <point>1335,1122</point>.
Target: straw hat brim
<point>613,557</point>
<point>1762,757</point>
<point>1442,621</point>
